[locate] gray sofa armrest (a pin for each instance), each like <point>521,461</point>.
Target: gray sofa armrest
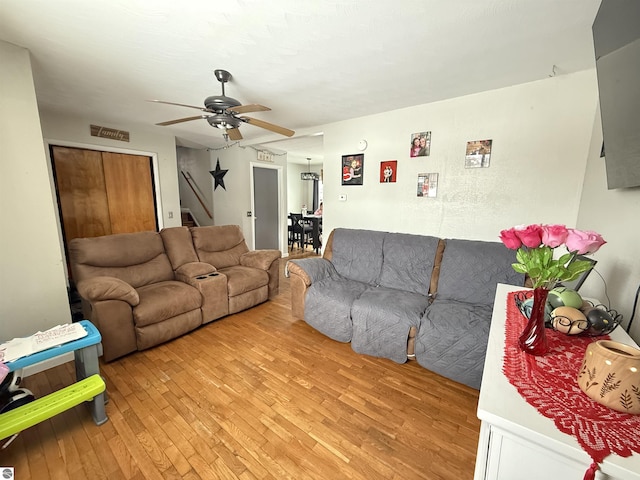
<point>313,269</point>
<point>303,272</point>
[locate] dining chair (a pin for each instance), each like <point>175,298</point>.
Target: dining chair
<point>302,231</point>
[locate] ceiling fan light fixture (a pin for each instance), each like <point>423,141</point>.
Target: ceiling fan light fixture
<point>221,112</point>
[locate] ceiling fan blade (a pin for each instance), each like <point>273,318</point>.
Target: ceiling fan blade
<point>234,134</point>
<point>253,107</point>
<point>180,120</point>
<point>268,126</point>
<point>179,105</point>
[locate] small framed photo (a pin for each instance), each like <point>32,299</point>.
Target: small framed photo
<point>352,169</point>
<point>427,184</point>
<point>388,171</point>
<point>420,144</point>
<point>478,154</point>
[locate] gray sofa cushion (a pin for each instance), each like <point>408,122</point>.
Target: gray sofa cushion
<point>452,340</point>
<point>328,306</point>
<point>382,318</point>
<point>471,270</point>
<point>357,254</point>
<point>408,262</point>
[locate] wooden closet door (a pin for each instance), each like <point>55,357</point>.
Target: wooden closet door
<point>82,195</point>
<point>130,193</point>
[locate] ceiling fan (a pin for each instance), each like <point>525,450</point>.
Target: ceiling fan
<point>223,112</point>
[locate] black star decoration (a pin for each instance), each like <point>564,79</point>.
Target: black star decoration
<point>218,175</point>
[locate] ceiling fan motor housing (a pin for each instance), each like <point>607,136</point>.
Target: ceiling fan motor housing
<point>224,120</point>
<point>219,103</point>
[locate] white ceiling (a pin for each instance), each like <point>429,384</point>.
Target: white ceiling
<point>311,61</point>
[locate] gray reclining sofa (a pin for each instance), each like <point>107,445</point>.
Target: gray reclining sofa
<point>403,296</point>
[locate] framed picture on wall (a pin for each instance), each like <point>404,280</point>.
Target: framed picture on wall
<point>388,171</point>
<point>478,154</point>
<point>427,184</point>
<point>420,144</point>
<point>352,169</point>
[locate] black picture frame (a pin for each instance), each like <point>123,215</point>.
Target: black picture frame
<point>353,169</point>
<point>577,283</point>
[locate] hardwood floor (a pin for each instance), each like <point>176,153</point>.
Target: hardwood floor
<point>256,395</point>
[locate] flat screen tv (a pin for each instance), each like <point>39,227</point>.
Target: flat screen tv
<point>616,38</point>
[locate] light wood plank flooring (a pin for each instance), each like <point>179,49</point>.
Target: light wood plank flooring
<point>256,395</point>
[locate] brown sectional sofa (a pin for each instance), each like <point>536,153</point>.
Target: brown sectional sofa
<point>142,289</point>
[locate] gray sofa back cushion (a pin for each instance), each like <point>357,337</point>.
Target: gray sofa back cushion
<point>408,262</point>
<point>471,270</point>
<point>357,254</point>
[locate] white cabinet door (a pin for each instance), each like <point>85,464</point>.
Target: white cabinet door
<point>511,458</point>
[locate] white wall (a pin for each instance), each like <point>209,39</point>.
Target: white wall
<point>541,134</point>
<point>615,214</point>
<point>196,165</point>
<point>32,277</point>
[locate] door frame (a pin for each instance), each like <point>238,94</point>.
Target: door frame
<point>281,236</point>
<point>48,143</point>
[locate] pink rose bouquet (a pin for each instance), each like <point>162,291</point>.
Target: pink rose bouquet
<point>535,245</point>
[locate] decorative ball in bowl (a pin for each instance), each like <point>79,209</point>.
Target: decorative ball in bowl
<point>610,375</point>
<point>569,320</point>
<point>588,320</point>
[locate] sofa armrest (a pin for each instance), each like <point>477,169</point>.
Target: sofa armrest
<point>297,271</point>
<point>98,289</point>
<point>314,269</point>
<point>188,272</point>
<point>303,272</point>
<point>262,259</point>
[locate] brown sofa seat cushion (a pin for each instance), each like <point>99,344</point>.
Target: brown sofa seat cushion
<point>244,279</point>
<point>164,300</point>
<point>220,245</point>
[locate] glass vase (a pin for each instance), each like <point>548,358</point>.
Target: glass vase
<point>533,339</point>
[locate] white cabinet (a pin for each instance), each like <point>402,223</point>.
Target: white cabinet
<point>518,443</point>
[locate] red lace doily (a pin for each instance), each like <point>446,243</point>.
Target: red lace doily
<point>549,384</point>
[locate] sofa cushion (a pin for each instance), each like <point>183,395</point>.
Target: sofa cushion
<point>471,270</point>
<point>328,306</point>
<point>178,245</point>
<point>137,258</point>
<point>452,340</point>
<point>357,254</point>
<point>220,245</point>
<point>382,318</point>
<point>244,279</point>
<point>164,300</point>
<point>408,262</point>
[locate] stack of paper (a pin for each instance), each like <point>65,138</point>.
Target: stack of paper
<point>39,341</point>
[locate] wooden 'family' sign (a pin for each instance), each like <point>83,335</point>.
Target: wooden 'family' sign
<point>112,133</point>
